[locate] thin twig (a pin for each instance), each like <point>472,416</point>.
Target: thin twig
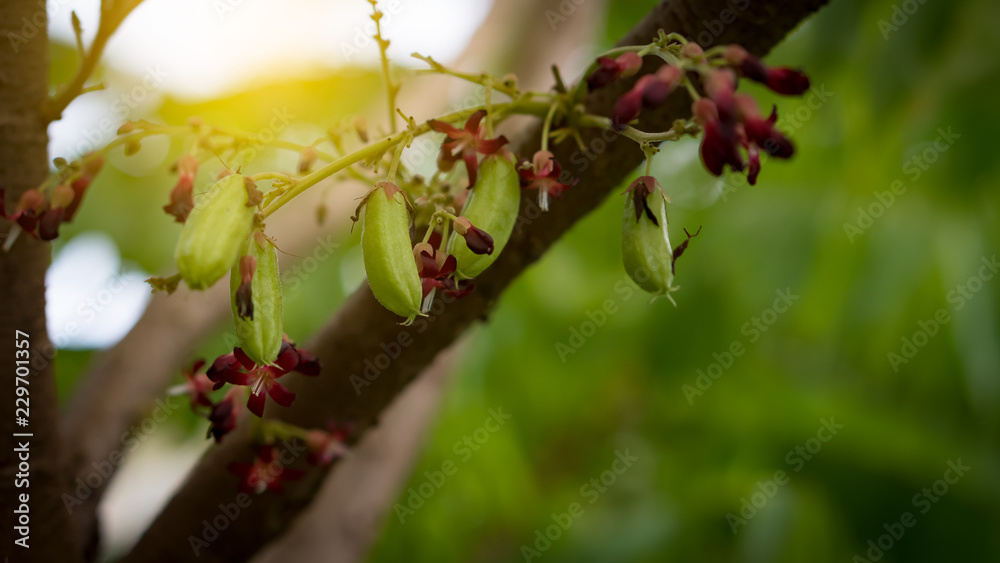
<point>113,13</point>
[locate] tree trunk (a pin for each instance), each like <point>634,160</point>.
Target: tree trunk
<point>33,469</point>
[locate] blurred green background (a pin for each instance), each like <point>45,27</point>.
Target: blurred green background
<point>864,273</point>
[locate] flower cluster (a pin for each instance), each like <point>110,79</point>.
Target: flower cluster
<point>267,472</point>
<point>40,213</point>
<point>731,121</point>
<point>238,369</point>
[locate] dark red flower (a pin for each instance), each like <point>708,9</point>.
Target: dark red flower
<point>326,446</point>
<point>48,224</point>
<point>787,81</point>
<point>266,473</point>
<point>478,240</point>
<point>238,369</point>
<point>720,144</point>
<point>91,167</point>
<point>760,133</point>
<point>611,69</point>
<point>783,80</point>
<point>31,205</point>
<point>436,273</point>
<point>648,92</point>
<point>720,85</point>
<point>225,414</point>
<point>722,139</point>
<point>465,143</point>
<point>181,197</point>
<point>197,385</point>
<point>543,175</point>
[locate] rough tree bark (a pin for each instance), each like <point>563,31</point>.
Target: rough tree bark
<point>24,165</point>
<point>361,327</point>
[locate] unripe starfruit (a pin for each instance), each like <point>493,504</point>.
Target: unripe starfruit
<point>215,233</point>
<point>255,288</point>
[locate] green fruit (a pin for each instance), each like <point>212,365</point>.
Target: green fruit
<point>259,333</point>
<point>492,206</point>
<point>388,256</point>
<point>646,251</point>
<point>214,234</point>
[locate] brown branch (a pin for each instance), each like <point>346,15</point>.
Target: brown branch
<point>31,467</point>
<point>362,331</point>
<point>113,13</point>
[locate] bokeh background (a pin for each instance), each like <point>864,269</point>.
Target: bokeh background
<point>853,345</point>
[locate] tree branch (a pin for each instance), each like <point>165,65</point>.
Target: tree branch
<point>362,328</point>
<point>113,13</point>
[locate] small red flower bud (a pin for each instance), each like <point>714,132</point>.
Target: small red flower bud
<point>181,199</point>
<point>62,196</point>
<point>306,159</point>
<point>48,224</point>
<point>478,240</point>
<point>692,51</point>
<point>31,200</point>
<point>787,81</point>
<point>648,92</point>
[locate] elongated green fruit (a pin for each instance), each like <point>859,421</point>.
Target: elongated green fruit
<point>214,234</point>
<point>492,206</point>
<point>385,246</point>
<point>255,289</point>
<point>646,251</point>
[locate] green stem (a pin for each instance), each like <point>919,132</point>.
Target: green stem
<point>547,125</point>
<point>379,147</point>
